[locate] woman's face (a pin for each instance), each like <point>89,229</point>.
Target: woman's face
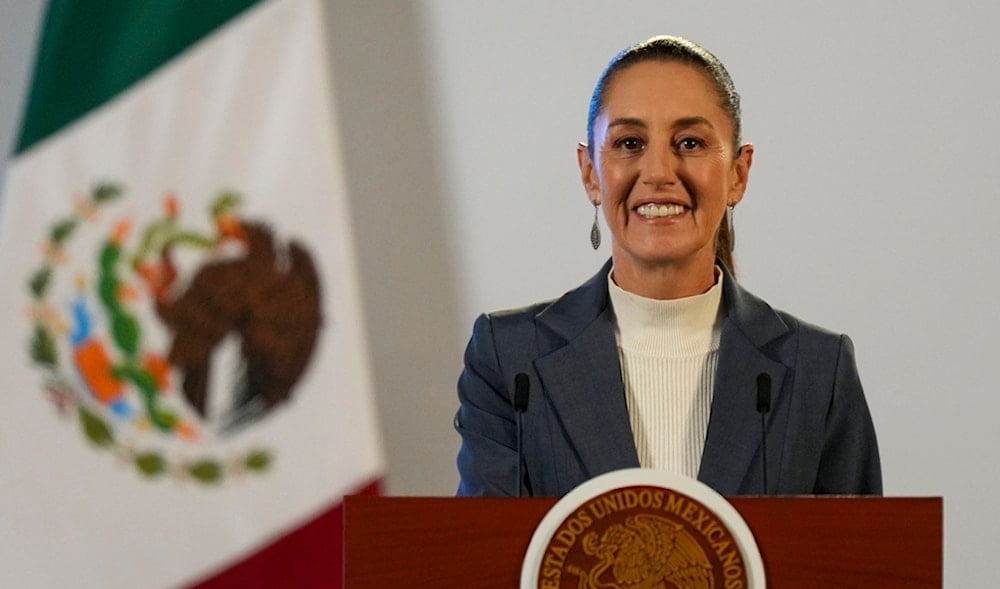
<point>663,167</point>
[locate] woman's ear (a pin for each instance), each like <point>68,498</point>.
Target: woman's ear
<point>588,173</point>
<point>741,167</point>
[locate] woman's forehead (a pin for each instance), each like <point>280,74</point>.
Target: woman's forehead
<point>660,81</point>
<point>662,89</point>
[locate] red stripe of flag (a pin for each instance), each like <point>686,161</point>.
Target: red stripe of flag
<point>310,556</point>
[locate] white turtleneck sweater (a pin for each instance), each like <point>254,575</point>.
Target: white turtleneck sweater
<point>669,351</point>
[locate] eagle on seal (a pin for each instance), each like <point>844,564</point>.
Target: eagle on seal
<point>646,552</point>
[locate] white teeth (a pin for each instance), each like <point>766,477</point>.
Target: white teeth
<point>652,210</point>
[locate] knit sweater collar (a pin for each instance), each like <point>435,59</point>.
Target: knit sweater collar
<point>677,327</point>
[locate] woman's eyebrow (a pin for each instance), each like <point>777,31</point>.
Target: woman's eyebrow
<point>681,123</point>
<point>693,121</point>
<point>627,122</point>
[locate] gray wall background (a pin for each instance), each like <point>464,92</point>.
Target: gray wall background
<point>872,206</point>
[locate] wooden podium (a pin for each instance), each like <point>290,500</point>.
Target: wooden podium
<point>805,542</point>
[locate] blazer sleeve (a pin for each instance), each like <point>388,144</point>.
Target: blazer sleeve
<point>849,463</point>
<point>487,459</point>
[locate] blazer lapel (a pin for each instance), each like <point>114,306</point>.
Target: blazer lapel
<point>582,378</point>
<point>734,431</point>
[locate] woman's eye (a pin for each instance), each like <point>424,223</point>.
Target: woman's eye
<point>689,144</point>
<point>629,143</point>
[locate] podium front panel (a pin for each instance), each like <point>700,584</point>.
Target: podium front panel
<point>813,542</point>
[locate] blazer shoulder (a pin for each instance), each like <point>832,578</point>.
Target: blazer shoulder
<point>565,315</point>
<point>812,348</point>
<point>811,332</point>
<point>514,323</point>
<point>515,315</point>
<point>512,334</point>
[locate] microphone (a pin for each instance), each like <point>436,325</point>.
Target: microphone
<point>763,407</point>
<point>521,388</point>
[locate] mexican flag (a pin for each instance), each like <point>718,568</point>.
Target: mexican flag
<point>186,390</point>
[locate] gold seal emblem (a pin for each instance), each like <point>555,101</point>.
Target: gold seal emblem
<point>642,529</point>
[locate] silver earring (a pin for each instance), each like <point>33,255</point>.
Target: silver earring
<point>732,233</point>
<point>595,231</point>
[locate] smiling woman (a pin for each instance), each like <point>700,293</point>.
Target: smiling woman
<point>662,360</point>
<point>663,165</point>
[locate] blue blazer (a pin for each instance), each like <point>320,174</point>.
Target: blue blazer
<point>820,437</point>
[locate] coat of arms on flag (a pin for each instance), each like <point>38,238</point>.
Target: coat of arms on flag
<point>131,319</point>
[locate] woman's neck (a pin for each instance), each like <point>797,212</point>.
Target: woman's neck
<point>665,281</point>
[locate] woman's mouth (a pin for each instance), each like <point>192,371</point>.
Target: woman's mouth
<point>653,210</point>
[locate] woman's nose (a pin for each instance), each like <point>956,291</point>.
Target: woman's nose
<point>660,165</point>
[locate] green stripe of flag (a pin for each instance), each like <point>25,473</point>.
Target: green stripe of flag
<point>91,50</point>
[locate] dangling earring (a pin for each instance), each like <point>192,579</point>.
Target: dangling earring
<point>595,231</point>
<point>732,233</point>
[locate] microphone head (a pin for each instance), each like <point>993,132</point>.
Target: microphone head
<point>521,387</point>
<point>763,392</point>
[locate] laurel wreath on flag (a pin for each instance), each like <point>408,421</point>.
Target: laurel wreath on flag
<point>127,365</point>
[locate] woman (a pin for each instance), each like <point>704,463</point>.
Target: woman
<point>662,360</point>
